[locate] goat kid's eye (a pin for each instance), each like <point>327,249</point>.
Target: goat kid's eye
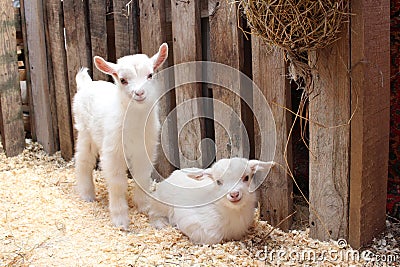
<point>219,182</point>
<point>123,81</point>
<point>245,178</point>
<point>150,76</point>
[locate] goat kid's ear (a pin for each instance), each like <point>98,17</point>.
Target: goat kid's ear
<point>200,175</point>
<point>257,165</point>
<point>258,169</point>
<point>104,66</point>
<point>159,58</point>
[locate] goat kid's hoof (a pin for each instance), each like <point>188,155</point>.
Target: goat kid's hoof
<point>159,224</point>
<point>143,209</point>
<point>87,195</point>
<point>121,222</point>
<point>141,204</point>
<point>88,198</point>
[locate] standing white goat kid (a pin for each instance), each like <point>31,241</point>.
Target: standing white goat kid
<point>209,205</point>
<point>99,109</point>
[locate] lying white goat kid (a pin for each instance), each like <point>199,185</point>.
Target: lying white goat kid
<point>209,205</point>
<point>99,109</point>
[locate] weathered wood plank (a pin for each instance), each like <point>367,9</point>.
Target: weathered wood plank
<point>152,25</point>
<point>77,39</point>
<point>269,73</point>
<point>124,28</point>
<point>370,63</point>
<point>98,33</point>
<point>230,133</point>
<point>153,34</point>
<point>58,57</point>
<point>205,8</point>
<point>35,33</point>
<point>329,105</point>
<point>11,121</point>
<point>52,86</point>
<point>187,47</point>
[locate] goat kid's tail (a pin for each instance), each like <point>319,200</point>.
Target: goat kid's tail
<point>82,78</point>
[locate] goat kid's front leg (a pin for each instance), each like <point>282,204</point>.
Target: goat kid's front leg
<point>141,167</point>
<point>114,168</point>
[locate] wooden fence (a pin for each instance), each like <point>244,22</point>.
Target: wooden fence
<point>348,164</point>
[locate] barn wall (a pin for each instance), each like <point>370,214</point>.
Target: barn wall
<point>196,30</point>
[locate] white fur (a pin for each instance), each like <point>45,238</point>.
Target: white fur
<point>217,220</point>
<point>99,109</point>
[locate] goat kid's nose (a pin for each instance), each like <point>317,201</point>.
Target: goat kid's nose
<point>234,194</point>
<point>139,92</point>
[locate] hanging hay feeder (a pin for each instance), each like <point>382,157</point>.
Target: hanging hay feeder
<point>296,26</point>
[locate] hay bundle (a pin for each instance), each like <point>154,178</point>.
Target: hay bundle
<point>297,26</point>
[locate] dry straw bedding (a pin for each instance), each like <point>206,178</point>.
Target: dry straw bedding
<point>44,223</point>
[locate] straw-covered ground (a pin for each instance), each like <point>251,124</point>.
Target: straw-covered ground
<point>44,223</point>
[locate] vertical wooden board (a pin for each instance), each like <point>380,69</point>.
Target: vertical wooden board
<point>11,122</point>
<point>77,40</point>
<point>229,132</point>
<point>205,9</point>
<point>52,86</point>
<point>269,74</point>
<point>329,105</point>
<point>152,25</point>
<point>98,34</point>
<point>153,34</point>
<point>187,47</point>
<point>39,78</point>
<point>370,64</point>
<point>58,58</point>
<point>123,26</point>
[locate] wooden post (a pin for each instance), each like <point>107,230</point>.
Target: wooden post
<point>124,28</point>
<point>187,47</point>
<point>98,34</point>
<point>153,34</point>
<point>11,122</point>
<point>370,97</point>
<point>58,57</point>
<point>204,10</point>
<point>230,141</point>
<point>152,21</point>
<point>39,78</point>
<point>269,73</point>
<point>52,86</point>
<point>329,105</point>
<point>77,41</point>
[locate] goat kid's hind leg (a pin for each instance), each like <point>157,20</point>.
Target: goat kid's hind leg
<point>114,168</point>
<point>85,160</point>
<point>158,213</point>
<point>142,176</point>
